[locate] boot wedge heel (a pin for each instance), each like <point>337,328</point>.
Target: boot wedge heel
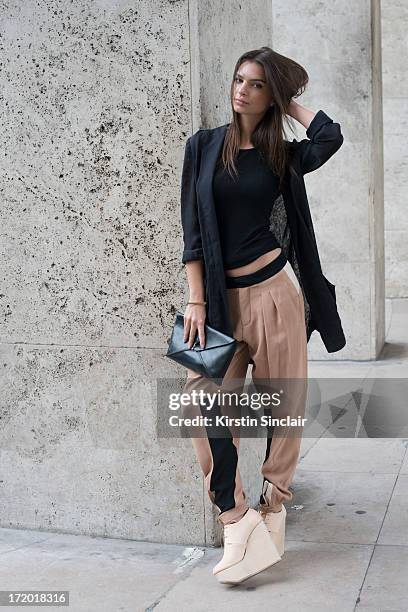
<point>280,536</point>
<point>260,554</point>
<point>276,525</point>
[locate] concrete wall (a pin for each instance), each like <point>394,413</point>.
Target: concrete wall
<point>97,112</point>
<point>395,92</point>
<point>339,46</point>
<point>100,98</point>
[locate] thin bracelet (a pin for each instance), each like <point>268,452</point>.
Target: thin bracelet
<point>201,303</point>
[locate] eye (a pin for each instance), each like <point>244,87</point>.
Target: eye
<point>258,85</point>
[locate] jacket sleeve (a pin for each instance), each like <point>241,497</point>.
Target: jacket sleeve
<point>324,138</point>
<point>193,248</point>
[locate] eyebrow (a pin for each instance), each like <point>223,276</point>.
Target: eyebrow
<point>241,76</point>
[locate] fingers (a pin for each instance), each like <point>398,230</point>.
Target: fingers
<point>201,335</point>
<point>194,322</point>
<point>198,326</point>
<point>192,335</point>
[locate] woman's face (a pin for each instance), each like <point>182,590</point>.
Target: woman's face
<point>250,87</point>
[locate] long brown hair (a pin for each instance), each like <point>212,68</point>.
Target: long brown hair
<point>286,79</point>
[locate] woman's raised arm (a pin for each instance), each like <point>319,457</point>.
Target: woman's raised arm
<point>324,137</point>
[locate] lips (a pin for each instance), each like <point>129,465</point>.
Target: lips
<point>241,101</point>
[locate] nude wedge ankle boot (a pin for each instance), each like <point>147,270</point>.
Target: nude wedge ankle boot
<point>248,549</point>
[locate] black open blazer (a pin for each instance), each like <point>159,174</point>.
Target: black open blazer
<point>290,220</point>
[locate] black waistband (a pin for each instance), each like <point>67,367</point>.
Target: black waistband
<point>259,275</point>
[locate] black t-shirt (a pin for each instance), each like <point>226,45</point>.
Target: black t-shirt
<point>243,206</point>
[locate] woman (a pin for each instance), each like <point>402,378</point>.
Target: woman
<point>241,281</point>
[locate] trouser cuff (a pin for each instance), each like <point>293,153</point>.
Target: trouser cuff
<point>233,515</point>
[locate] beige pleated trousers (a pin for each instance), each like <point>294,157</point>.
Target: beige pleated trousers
<point>269,324</point>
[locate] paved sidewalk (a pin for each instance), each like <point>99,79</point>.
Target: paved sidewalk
<point>346,537</point>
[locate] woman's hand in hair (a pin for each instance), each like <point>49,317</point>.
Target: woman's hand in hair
<point>194,319</point>
<point>300,113</point>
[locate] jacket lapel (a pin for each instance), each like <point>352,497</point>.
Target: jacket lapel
<point>216,292</point>
<point>209,152</point>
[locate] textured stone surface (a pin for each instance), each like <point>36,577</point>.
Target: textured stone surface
<point>99,100</point>
<point>79,451</point>
<point>395,92</point>
<point>97,112</point>
<point>342,58</point>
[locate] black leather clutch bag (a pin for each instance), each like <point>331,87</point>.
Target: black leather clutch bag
<point>211,361</point>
